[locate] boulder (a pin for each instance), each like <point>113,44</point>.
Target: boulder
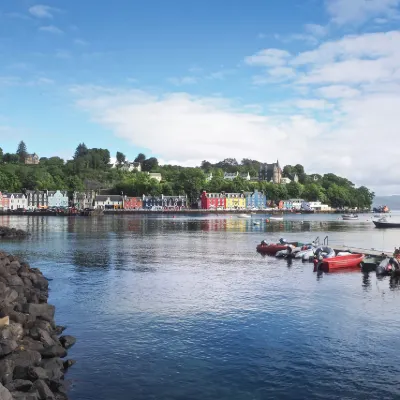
<point>60,329</point>
<point>12,331</point>
<point>7,294</point>
<point>35,373</point>
<point>53,351</point>
<point>7,346</point>
<point>43,311</point>
<point>67,341</point>
<point>14,281</point>
<point>43,390</point>
<point>6,370</point>
<point>19,385</point>
<point>14,267</point>
<point>18,317</point>
<point>68,363</point>
<point>26,358</point>
<point>32,395</point>
<point>5,393</point>
<point>41,282</point>
<point>30,344</point>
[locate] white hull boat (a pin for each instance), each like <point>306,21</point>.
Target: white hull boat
<point>244,216</point>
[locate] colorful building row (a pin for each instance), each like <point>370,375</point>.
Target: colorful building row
<point>33,199</point>
<point>233,201</point>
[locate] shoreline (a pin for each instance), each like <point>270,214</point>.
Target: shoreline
<point>32,350</point>
<point>188,211</point>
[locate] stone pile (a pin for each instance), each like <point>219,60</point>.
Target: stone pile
<point>12,233</point>
<point>31,348</point>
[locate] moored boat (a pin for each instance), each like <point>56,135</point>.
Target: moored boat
<point>385,223</point>
<point>349,217</point>
<point>338,262</point>
<point>244,216</point>
<point>270,249</point>
<point>276,218</point>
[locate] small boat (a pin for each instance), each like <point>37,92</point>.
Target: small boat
<point>276,218</point>
<point>244,216</point>
<point>384,223</point>
<point>370,263</point>
<point>270,249</point>
<point>349,217</point>
<point>256,223</point>
<point>389,266</point>
<point>338,262</point>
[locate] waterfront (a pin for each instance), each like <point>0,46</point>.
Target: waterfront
<point>183,307</point>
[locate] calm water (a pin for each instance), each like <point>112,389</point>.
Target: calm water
<point>184,308</point>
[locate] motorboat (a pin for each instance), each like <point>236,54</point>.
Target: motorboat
<point>276,218</point>
<point>244,216</point>
<point>273,248</point>
<point>385,223</point>
<point>349,217</point>
<point>370,263</point>
<point>338,262</point>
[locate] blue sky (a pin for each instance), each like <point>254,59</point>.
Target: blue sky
<point>305,81</point>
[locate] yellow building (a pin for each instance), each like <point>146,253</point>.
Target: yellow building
<point>235,201</point>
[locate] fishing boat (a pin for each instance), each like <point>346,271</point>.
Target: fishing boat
<point>338,262</point>
<point>349,217</point>
<point>384,223</point>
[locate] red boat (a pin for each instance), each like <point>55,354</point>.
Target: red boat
<point>336,263</point>
<point>271,249</point>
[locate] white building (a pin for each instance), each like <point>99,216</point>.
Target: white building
<point>18,200</point>
<point>108,202</point>
<point>155,175</point>
<point>296,203</point>
<point>245,176</point>
<point>318,206</point>
<point>131,166</point>
<point>285,181</point>
<point>230,176</point>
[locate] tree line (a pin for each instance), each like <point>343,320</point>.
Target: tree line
<point>91,169</point>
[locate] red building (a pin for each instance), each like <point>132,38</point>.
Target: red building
<point>133,203</point>
<point>4,201</point>
<point>213,201</point>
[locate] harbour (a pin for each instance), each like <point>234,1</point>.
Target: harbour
<point>187,303</point>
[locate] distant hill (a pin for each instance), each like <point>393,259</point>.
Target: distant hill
<point>393,202</point>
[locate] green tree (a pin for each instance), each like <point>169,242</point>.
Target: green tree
<point>120,158</point>
<point>294,190</point>
<point>10,158</point>
<point>80,151</point>
<point>140,158</point>
<point>22,151</point>
<point>149,164</point>
<point>1,155</point>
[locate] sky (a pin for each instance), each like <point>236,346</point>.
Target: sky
<point>311,82</point>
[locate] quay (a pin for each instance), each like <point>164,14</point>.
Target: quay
<point>367,252</point>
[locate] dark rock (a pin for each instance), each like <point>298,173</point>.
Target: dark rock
<point>44,391</point>
<point>26,358</point>
<point>45,338</point>
<point>27,282</point>
<point>14,267</point>
<point>32,395</point>
<point>53,351</point>
<point>17,317</point>
<point>12,331</point>
<point>60,329</point>
<point>7,294</point>
<point>43,311</point>
<point>14,281</point>
<point>69,363</point>
<point>19,385</point>
<point>29,344</point>
<point>6,370</point>
<point>5,393</point>
<point>7,346</point>
<point>41,283</point>
<point>35,373</point>
<point>12,233</point>
<point>67,341</point>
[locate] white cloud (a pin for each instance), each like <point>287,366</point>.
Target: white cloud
<point>316,30</point>
<point>42,11</point>
<point>185,80</point>
<point>51,29</point>
<point>268,58</point>
<point>337,92</point>
<point>360,11</point>
<point>274,75</point>
<point>314,104</point>
<point>214,128</point>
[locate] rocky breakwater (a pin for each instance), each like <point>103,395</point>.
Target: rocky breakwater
<point>32,352</point>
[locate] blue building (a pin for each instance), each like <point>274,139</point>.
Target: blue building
<point>165,202</point>
<point>256,199</point>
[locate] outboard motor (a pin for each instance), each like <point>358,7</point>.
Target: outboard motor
<point>324,252</point>
<point>388,266</point>
<point>282,241</point>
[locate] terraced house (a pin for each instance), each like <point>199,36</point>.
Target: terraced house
<point>235,201</point>
<point>37,199</point>
<point>58,198</point>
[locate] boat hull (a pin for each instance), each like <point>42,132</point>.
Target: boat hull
<point>338,263</point>
<point>379,224</point>
<point>270,249</point>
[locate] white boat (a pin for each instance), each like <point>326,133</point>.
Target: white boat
<point>349,217</point>
<point>244,216</point>
<point>276,218</point>
<point>256,223</point>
